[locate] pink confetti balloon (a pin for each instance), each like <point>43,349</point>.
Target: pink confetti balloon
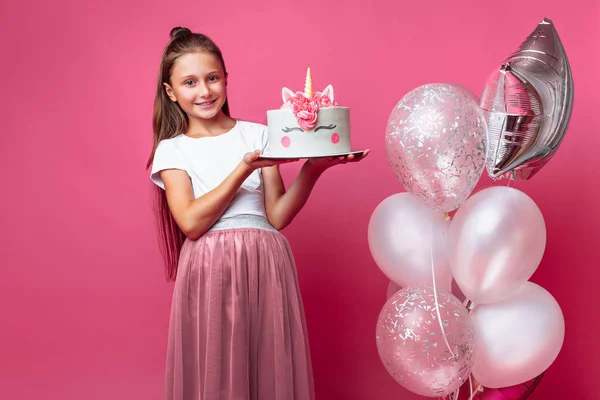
<point>425,356</point>
<point>436,144</point>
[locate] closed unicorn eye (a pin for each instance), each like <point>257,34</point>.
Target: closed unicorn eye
<point>325,127</point>
<point>288,130</point>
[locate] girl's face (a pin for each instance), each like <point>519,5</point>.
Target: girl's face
<point>198,84</point>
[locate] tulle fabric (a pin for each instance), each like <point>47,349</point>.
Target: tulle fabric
<point>237,328</point>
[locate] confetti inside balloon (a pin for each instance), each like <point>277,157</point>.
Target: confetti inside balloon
<point>528,103</point>
<point>435,143</point>
<point>426,348</point>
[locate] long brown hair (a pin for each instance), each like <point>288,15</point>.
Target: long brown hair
<point>168,121</point>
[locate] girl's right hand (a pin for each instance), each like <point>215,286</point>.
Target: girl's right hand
<point>252,161</point>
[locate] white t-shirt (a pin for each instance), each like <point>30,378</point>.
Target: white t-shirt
<point>209,160</point>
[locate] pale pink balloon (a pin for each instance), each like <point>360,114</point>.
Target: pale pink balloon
<point>427,348</point>
<point>495,242</point>
<point>436,144</point>
<point>517,338</point>
<point>405,237</point>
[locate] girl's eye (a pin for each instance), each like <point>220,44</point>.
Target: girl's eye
<point>189,82</point>
<point>213,78</point>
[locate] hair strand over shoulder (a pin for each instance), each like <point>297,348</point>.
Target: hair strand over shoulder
<point>168,121</point>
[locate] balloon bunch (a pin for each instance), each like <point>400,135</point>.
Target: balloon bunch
<point>461,309</point>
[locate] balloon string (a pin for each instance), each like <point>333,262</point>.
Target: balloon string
<point>451,396</point>
<point>437,306</point>
<point>470,387</point>
<point>478,389</point>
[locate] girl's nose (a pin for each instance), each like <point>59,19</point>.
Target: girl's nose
<point>204,90</point>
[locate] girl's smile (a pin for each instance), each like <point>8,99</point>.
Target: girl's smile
<point>206,104</point>
<point>199,85</point>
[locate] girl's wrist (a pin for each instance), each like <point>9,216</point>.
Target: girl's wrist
<point>313,169</point>
<point>245,169</point>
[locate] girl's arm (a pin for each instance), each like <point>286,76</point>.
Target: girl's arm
<point>281,205</point>
<point>196,216</point>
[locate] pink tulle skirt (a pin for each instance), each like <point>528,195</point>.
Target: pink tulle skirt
<point>237,328</point>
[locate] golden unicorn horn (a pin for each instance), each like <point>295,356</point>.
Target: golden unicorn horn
<point>308,91</point>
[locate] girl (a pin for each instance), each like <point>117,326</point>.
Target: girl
<point>237,327</point>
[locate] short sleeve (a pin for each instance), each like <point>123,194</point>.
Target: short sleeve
<point>166,156</point>
<point>264,136</point>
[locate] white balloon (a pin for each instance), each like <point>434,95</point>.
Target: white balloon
<point>517,338</point>
<point>403,235</point>
<point>496,241</point>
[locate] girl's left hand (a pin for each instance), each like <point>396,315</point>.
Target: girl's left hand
<point>322,163</point>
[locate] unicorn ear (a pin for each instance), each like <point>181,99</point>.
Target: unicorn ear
<point>286,94</point>
<point>328,92</point>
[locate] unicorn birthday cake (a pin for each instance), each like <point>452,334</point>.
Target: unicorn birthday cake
<point>309,124</point>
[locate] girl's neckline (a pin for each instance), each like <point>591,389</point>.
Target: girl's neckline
<point>213,137</point>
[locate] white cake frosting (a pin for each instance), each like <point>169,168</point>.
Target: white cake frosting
<point>309,124</point>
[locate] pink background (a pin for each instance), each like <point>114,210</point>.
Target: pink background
<point>83,300</point>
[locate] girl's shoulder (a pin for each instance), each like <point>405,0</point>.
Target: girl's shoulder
<point>170,141</point>
<point>169,148</point>
<point>251,126</point>
<point>253,132</point>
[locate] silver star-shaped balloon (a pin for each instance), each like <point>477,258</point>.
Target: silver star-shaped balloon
<point>527,104</point>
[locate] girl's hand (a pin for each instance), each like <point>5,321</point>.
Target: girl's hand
<point>252,162</point>
<point>322,163</point>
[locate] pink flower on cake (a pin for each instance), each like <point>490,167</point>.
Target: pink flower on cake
<point>305,105</point>
<point>324,101</point>
<point>298,101</point>
<point>307,119</point>
<point>306,111</point>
